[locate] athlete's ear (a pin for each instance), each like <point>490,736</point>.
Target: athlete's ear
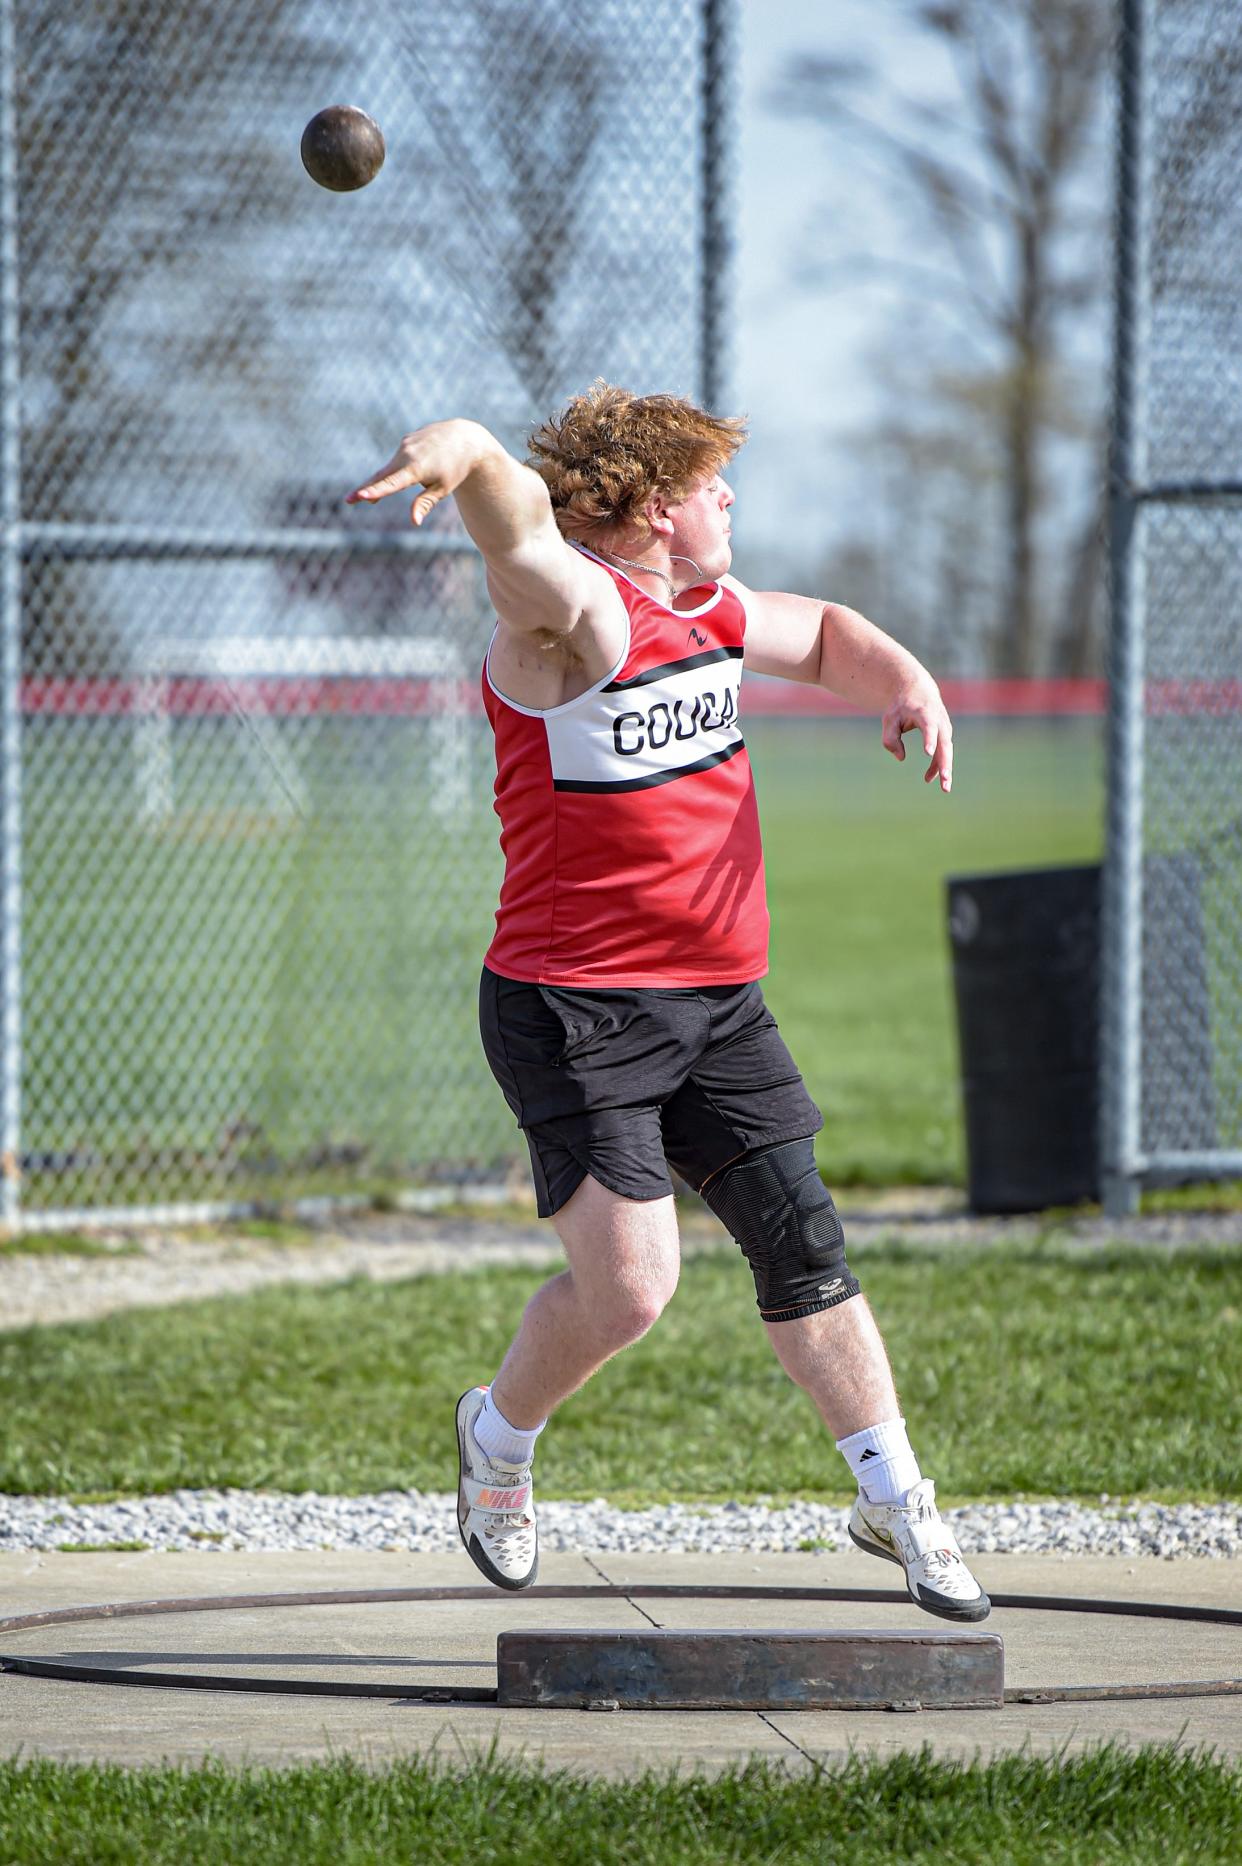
<point>657,514</point>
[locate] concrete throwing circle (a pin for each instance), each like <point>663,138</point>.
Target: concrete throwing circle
<point>76,1669</point>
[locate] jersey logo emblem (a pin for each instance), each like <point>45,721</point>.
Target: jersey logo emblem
<point>695,636</point>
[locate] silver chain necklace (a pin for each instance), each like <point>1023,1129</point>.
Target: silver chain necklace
<point>652,571</point>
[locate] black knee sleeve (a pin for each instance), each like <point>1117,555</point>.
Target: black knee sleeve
<point>777,1207</point>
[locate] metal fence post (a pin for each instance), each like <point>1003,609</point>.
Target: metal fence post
<point>720,129</point>
<point>1121,974</point>
<point>10,642</point>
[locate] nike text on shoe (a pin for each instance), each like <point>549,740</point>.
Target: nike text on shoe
<point>495,1506</point>
<point>913,1534</point>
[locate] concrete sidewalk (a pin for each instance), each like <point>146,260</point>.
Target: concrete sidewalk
<point>455,1642</point>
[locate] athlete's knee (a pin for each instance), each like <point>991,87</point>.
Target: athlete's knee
<point>631,1310</point>
<point>621,1305</point>
<point>779,1210</point>
<point>624,1257</point>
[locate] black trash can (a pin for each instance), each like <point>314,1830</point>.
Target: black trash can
<point>1026,978</point>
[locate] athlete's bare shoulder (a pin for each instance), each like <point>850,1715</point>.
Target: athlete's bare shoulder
<point>558,633</point>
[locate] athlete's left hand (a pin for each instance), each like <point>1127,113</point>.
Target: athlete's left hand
<point>921,709</point>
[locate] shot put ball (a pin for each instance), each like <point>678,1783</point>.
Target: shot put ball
<point>342,148</point>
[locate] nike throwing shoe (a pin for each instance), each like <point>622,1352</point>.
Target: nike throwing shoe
<point>914,1534</point>
<point>495,1507</point>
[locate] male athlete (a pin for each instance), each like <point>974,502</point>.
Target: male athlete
<point>620,1006</point>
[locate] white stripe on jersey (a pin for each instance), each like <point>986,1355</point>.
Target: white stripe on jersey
<point>652,728</point>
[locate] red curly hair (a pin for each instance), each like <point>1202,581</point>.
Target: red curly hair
<point>608,452</point>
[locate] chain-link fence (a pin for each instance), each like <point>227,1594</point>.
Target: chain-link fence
<point>248,857</point>
<point>1172,1054</point>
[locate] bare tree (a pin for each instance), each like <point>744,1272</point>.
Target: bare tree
<point>934,463</point>
<point>515,238</point>
<point>137,171</point>
<point>1007,186</point>
<point>184,287</point>
<point>132,179</point>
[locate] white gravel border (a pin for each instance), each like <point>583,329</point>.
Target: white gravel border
<point>425,1523</point>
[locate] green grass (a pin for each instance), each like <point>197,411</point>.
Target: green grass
<point>279,1231</point>
<point>1038,1369</point>
<point>1155,1806</point>
<point>288,1004</point>
<point>1222,1195</point>
<point>101,1548</point>
<point>67,1244</point>
<point>857,850</point>
<point>314,983</point>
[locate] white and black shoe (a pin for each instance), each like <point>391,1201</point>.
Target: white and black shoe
<point>495,1505</point>
<point>913,1534</point>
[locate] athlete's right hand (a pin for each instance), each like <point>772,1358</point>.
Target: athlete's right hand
<point>437,458</point>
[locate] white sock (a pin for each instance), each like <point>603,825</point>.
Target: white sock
<point>882,1461</point>
<point>498,1439</point>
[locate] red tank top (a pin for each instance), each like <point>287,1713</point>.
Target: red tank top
<point>628,818</point>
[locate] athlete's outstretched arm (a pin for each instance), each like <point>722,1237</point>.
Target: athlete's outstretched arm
<point>828,645</point>
<point>536,580</point>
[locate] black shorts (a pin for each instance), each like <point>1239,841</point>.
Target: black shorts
<point>618,1083</point>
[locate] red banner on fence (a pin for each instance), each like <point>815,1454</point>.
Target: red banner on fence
<point>386,696</point>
